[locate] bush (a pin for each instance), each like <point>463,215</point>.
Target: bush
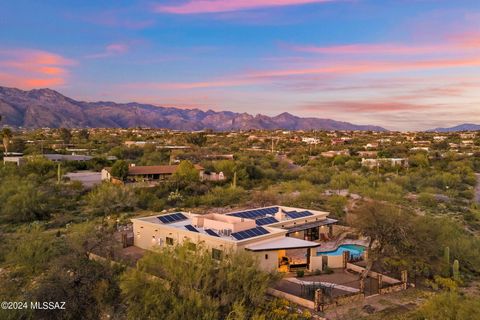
<point>327,270</point>
<point>300,273</point>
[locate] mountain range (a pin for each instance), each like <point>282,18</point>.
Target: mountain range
<point>41,108</point>
<point>460,127</point>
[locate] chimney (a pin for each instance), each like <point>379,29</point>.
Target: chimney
<point>280,215</point>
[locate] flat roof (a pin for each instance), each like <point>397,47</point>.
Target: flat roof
<point>314,224</point>
<point>282,243</point>
<point>265,223</point>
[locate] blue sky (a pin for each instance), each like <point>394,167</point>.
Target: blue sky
<point>405,64</point>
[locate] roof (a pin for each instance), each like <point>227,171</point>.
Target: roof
<point>141,170</point>
<point>314,224</point>
<point>283,243</point>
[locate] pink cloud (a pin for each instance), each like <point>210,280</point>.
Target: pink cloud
<point>366,67</point>
<point>457,43</point>
<point>111,50</point>
<point>216,6</point>
<point>362,106</point>
<point>28,68</point>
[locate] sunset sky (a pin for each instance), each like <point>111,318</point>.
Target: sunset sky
<point>404,64</point>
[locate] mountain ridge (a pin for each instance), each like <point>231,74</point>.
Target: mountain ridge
<point>458,128</point>
<point>38,108</point>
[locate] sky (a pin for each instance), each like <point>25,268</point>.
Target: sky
<point>400,64</point>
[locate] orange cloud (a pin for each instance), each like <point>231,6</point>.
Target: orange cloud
<point>216,6</point>
<point>28,69</point>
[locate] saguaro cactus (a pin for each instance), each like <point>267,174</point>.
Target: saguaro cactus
<point>456,270</point>
<point>446,258</point>
<point>234,182</point>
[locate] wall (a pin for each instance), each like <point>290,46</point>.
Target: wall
<point>341,301</point>
<point>316,263</point>
<point>269,263</point>
<point>105,175</point>
<point>290,297</point>
<point>335,262</point>
<point>372,274</point>
<point>148,235</point>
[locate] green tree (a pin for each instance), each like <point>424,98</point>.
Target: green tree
<point>186,172</point>
<point>108,198</point>
<point>65,135</point>
<point>6,137</point>
<point>198,139</point>
<point>449,305</point>
<point>120,170</point>
<point>84,134</point>
<point>192,285</point>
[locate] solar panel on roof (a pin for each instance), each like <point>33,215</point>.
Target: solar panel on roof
<point>211,232</point>
<point>189,227</point>
<point>250,233</point>
<point>169,218</point>
<point>298,214</point>
<point>264,221</point>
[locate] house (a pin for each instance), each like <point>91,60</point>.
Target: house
<point>394,162</point>
<point>282,238</point>
<point>427,149</point>
<point>17,160</point>
<point>368,154</point>
<point>371,145</point>
<point>334,153</point>
<point>468,135</point>
<point>148,173</point>
<point>66,157</point>
<point>310,140</point>
<point>213,176</point>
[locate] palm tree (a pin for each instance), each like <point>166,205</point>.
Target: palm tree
<point>6,135</point>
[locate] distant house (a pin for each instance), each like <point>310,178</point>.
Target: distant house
<point>394,162</point>
<point>368,154</point>
<point>371,145</point>
<point>468,135</point>
<point>213,176</point>
<point>140,144</point>
<point>310,140</point>
<point>336,141</point>
<point>66,157</point>
<point>17,160</point>
<point>427,149</point>
<point>148,173</point>
<point>334,153</point>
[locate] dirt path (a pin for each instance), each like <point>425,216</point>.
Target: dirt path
<point>477,188</point>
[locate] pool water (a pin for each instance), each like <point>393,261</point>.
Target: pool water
<point>355,251</point>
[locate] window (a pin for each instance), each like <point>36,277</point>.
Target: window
<point>169,241</point>
<point>216,254</point>
<point>266,256</point>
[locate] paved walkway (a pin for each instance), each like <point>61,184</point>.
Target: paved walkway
<point>325,284</point>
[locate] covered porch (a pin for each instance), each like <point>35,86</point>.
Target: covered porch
<point>285,254</point>
<point>314,231</point>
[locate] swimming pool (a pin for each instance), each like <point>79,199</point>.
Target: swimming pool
<point>355,251</point>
